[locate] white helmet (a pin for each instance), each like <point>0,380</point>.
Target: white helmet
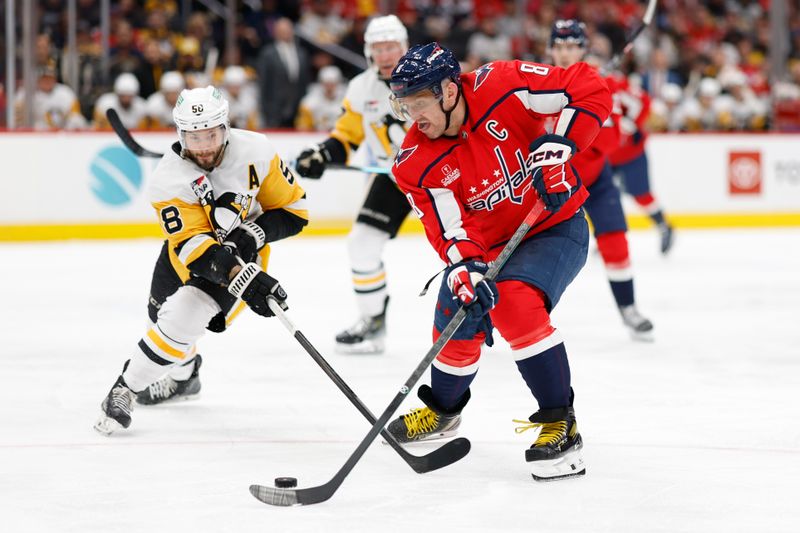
<point>384,29</point>
<point>709,87</point>
<point>234,75</point>
<point>126,84</point>
<point>172,81</point>
<point>201,109</point>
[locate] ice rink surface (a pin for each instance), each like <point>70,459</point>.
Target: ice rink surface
<point>699,431</point>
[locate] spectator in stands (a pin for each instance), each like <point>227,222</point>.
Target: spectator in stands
<point>322,105</point>
<point>125,55</point>
<point>488,44</point>
<point>322,23</point>
<point>284,75</point>
<point>658,73</point>
<point>161,103</point>
<point>55,105</point>
<point>665,110</point>
<point>125,99</point>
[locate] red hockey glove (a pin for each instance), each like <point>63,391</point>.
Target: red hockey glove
<point>467,283</point>
<point>553,177</point>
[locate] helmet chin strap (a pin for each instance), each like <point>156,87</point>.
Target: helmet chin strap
<point>449,112</point>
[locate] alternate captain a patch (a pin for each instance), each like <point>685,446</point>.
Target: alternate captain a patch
<point>403,154</point>
<point>481,74</point>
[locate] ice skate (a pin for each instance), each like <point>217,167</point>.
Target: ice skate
<point>169,389</point>
<point>116,408</point>
<point>641,328</point>
<point>556,453</point>
<point>365,336</point>
<point>427,423</point>
<point>667,237</point>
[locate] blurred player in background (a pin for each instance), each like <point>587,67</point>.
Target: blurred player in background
<point>125,99</point>
<point>236,179</point>
<point>242,97</point>
<point>629,160</point>
<point>321,107</point>
<point>477,148</point>
<point>367,118</point>
<point>55,105</point>
<point>161,103</point>
<point>567,46</point>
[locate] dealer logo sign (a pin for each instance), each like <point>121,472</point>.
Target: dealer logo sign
<point>744,173</point>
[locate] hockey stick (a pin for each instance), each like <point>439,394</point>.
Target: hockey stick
<point>443,456</point>
<point>286,497</point>
<point>127,139</point>
<point>646,19</point>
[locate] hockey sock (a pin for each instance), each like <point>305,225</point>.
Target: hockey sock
<point>142,372</point>
<point>448,389</point>
<point>365,247</point>
<point>545,369</point>
<point>183,371</point>
<point>648,203</point>
<point>623,292</point>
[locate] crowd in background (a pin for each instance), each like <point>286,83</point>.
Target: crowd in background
<point>704,63</point>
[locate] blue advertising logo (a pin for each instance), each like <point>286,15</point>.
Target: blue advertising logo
<point>117,175</point>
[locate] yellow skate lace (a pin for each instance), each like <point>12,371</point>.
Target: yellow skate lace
<point>551,432</point>
<point>420,421</point>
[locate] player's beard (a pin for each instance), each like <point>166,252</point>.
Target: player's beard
<point>207,159</point>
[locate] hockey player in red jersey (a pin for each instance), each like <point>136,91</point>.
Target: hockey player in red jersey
<point>629,160</point>
<point>472,166</point>
<point>567,47</point>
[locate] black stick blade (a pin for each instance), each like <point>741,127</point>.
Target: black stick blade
<point>275,496</point>
<point>445,455</point>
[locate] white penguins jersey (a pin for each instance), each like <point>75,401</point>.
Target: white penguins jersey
<point>251,179</point>
<point>159,111</point>
<point>133,117</point>
<point>367,117</point>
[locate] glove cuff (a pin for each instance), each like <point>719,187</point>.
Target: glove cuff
<point>243,279</point>
<point>256,232</point>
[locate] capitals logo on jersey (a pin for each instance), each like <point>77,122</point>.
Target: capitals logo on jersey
<point>403,155</point>
<point>481,74</point>
<point>505,185</point>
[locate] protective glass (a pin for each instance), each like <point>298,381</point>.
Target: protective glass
<point>207,140</point>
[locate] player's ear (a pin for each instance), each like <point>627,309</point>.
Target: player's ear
<point>450,92</point>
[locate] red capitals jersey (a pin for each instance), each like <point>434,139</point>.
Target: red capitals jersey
<point>473,190</point>
<point>635,107</point>
<point>590,162</point>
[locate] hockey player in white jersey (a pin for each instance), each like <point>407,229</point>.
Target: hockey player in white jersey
<point>161,103</point>
<point>367,118</point>
<point>125,100</point>
<point>216,184</point>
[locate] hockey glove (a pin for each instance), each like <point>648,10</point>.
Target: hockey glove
<point>479,295</point>
<point>246,241</point>
<point>311,161</point>
<point>553,177</point>
<point>254,287</point>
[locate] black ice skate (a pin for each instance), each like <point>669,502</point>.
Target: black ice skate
<point>116,408</point>
<point>167,388</point>
<point>428,423</point>
<point>556,453</point>
<point>365,336</point>
<point>641,329</point>
<point>667,237</point>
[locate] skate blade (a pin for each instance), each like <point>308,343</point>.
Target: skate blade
<point>568,465</point>
<point>106,425</point>
<point>361,348</point>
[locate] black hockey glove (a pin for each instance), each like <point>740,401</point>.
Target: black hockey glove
<point>311,161</point>
<point>255,287</point>
<point>246,241</point>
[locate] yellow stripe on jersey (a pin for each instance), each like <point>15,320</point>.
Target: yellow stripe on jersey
<point>181,220</point>
<point>349,127</point>
<point>280,190</point>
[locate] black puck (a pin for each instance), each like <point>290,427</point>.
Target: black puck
<point>285,482</point>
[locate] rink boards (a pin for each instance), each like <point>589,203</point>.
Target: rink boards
<point>87,185</point>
